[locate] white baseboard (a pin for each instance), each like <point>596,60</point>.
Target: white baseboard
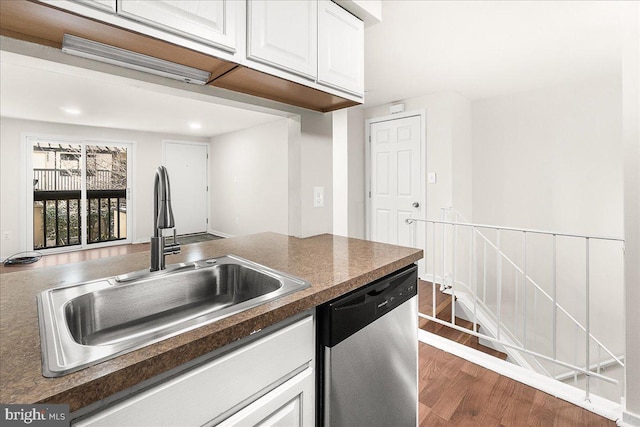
<point>219,233</point>
<point>629,420</point>
<point>428,277</point>
<point>597,405</point>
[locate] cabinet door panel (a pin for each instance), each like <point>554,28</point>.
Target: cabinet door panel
<point>340,48</point>
<point>289,405</point>
<point>283,33</point>
<point>208,21</point>
<point>108,5</point>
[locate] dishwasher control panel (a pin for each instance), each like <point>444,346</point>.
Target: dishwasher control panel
<point>344,316</point>
<point>396,297</point>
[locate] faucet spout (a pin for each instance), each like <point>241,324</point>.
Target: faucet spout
<point>162,219</point>
<point>163,214</point>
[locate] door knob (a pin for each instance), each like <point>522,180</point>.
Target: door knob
<point>415,204</point>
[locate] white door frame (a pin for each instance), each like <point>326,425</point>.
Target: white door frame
<point>200,144</point>
<point>423,167</point>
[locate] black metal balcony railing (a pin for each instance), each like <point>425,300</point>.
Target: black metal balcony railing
<point>58,221</point>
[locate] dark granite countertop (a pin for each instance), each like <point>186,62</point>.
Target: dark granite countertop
<point>333,265</point>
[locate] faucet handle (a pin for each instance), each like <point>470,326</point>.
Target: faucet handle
<point>175,240</point>
<point>172,248</point>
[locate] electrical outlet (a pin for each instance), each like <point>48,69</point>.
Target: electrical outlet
<point>318,197</point>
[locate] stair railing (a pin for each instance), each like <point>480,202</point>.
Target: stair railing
<point>503,335</point>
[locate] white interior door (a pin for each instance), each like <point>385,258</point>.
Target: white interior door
<point>188,175</point>
<point>396,190</point>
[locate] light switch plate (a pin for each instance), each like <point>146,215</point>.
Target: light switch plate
<point>431,178</point>
<point>318,197</point>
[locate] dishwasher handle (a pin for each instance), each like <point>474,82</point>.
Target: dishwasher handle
<point>343,317</point>
<point>366,298</point>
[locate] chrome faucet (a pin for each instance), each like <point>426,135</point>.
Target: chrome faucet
<point>162,219</point>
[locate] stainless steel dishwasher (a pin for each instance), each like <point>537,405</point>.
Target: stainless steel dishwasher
<point>368,355</point>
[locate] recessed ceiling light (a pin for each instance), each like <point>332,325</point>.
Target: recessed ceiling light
<point>195,125</point>
<point>71,110</point>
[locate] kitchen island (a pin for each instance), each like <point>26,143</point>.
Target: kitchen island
<point>333,265</point>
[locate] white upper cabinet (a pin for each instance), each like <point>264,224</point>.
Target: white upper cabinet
<point>340,48</point>
<point>210,22</point>
<point>284,34</point>
<point>108,5</point>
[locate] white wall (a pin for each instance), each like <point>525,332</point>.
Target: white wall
<point>631,144</point>
<point>249,174</point>
<point>340,131</point>
<point>276,167</point>
<point>12,214</point>
<point>349,173</point>
<point>461,156</point>
<point>315,163</point>
<point>356,166</point>
<point>550,158</point>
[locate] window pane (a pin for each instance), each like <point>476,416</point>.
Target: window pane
<point>58,169</point>
<point>107,192</point>
<point>57,181</point>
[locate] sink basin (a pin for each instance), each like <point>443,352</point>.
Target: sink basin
<point>87,323</point>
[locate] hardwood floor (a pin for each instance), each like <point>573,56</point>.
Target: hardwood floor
<point>452,391</point>
<point>455,392</point>
<point>443,311</point>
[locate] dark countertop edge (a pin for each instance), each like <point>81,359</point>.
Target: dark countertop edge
<point>119,379</point>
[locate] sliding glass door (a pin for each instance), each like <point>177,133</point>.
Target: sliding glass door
<point>79,193</point>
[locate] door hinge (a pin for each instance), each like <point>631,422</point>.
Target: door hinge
<point>207,220</point>
<point>369,138</point>
<point>369,194</point>
<point>207,156</point>
<point>207,188</point>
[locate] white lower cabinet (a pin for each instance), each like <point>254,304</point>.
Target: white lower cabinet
<point>291,404</point>
<point>267,382</point>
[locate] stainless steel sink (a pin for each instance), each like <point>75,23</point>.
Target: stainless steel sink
<point>87,323</point>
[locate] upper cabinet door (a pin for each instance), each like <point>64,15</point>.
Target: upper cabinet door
<point>284,34</point>
<point>108,5</point>
<point>207,21</point>
<point>340,48</point>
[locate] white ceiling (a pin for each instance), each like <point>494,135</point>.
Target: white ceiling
<point>475,48</point>
<point>39,90</point>
<point>481,49</point>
